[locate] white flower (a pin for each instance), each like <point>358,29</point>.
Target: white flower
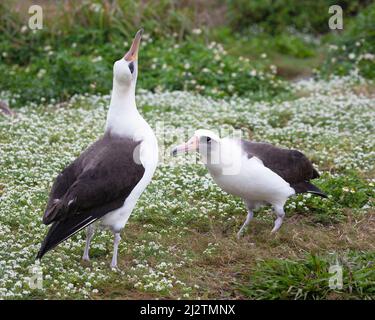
<point>97,59</point>
<point>367,56</point>
<point>41,73</point>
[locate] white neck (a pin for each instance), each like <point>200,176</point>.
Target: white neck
<point>121,94</point>
<point>224,159</point>
<point>123,116</point>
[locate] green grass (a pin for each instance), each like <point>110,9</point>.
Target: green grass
<point>294,54</point>
<point>74,53</point>
<point>353,51</point>
<point>195,65</point>
<point>275,17</point>
<point>308,278</point>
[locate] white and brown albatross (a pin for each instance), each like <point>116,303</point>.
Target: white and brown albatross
<point>105,181</point>
<point>259,173</point>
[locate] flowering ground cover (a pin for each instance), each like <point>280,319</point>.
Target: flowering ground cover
<point>180,240</point>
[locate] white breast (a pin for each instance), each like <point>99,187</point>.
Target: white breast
<point>117,219</point>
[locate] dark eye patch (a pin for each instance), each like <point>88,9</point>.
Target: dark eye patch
<point>131,67</point>
<point>208,139</point>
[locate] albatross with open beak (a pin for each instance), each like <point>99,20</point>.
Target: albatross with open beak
<point>259,173</point>
<point>104,183</point>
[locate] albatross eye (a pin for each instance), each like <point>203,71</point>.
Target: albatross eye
<point>208,139</point>
<point>131,67</point>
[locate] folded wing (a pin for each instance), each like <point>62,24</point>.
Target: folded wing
<point>292,165</point>
<point>96,183</point>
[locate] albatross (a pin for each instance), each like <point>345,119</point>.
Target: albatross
<point>259,173</point>
<point>104,183</point>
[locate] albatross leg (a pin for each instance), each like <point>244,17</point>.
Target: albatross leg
<point>280,216</point>
<point>89,234</point>
<point>249,217</point>
<point>115,250</point>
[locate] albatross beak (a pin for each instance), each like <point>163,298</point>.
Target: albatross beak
<point>132,54</point>
<point>191,145</point>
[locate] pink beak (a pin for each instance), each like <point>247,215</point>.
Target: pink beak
<point>132,54</point>
<point>191,145</point>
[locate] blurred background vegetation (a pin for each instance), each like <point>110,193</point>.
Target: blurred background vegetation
<point>219,48</point>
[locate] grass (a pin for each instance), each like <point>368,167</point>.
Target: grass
<point>307,278</point>
<point>295,55</point>
<point>180,240</point>
<point>81,40</point>
<point>200,66</point>
<point>179,52</point>
<point>353,51</point>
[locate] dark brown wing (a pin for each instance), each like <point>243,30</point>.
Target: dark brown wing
<point>292,165</point>
<point>61,185</point>
<point>98,182</point>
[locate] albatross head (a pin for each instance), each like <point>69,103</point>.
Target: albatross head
<point>125,70</point>
<point>203,141</point>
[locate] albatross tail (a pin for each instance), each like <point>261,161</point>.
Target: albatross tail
<point>305,186</point>
<point>62,230</point>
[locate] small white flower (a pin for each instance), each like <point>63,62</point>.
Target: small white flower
<point>41,73</point>
<point>97,59</point>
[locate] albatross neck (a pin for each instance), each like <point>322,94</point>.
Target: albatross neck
<point>123,113</point>
<point>123,96</point>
